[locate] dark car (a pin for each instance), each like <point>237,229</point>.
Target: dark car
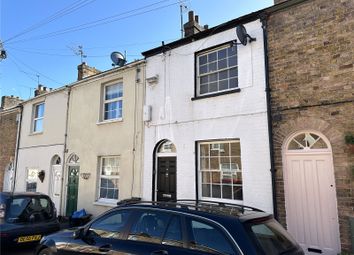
<point>184,227</point>
<point>25,218</point>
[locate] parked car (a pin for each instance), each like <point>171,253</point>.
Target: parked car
<point>25,218</point>
<point>185,227</point>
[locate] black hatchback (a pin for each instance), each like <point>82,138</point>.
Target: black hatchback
<point>184,227</point>
<point>25,218</point>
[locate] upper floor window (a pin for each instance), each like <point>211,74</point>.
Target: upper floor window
<point>217,70</point>
<point>38,115</point>
<point>113,101</point>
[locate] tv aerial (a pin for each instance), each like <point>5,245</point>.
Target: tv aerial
<point>242,35</point>
<point>118,59</point>
<point>79,51</point>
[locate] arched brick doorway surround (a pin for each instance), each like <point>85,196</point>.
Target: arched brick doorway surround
<point>282,131</point>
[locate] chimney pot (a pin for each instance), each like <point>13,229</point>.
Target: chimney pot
<point>191,16</point>
<point>192,26</point>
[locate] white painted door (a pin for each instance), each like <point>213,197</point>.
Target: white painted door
<point>311,204</point>
<point>8,178</point>
<point>56,184</point>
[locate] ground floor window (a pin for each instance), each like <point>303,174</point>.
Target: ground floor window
<point>109,178</point>
<point>31,181</point>
<point>220,169</point>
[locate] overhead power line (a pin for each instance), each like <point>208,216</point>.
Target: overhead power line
<point>34,70</point>
<point>65,11</point>
<point>101,22</point>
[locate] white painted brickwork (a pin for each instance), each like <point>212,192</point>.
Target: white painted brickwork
<point>238,115</point>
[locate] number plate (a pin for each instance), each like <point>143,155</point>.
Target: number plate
<point>23,239</point>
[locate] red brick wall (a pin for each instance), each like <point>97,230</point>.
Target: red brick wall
<point>8,134</point>
<point>311,56</point>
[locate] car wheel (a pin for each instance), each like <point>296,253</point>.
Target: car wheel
<point>45,251</point>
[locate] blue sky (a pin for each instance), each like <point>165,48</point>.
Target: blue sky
<point>40,44</point>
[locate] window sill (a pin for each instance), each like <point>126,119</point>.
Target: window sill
<point>36,133</point>
<point>109,121</point>
<point>237,90</point>
<point>105,203</point>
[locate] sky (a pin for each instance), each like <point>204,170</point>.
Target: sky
<point>42,38</point>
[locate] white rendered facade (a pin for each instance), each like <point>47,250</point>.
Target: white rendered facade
<point>180,116</point>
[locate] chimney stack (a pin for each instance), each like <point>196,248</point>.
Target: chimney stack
<point>10,101</point>
<point>192,26</point>
<point>85,71</point>
<point>41,90</point>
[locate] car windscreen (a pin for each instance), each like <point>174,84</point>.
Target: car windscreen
<point>16,209</point>
<point>271,237</point>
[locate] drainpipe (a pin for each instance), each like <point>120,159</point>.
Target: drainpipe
<point>60,211</point>
<point>17,147</point>
<point>263,18</point>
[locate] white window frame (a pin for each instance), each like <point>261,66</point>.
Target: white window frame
<point>33,178</point>
<point>215,147</point>
<point>113,177</point>
<point>107,101</point>
<point>35,119</point>
<point>206,52</point>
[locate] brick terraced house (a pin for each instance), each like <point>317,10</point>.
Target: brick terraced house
<point>311,76</point>
<point>9,120</point>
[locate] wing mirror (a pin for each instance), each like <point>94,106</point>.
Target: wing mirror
<point>78,233</point>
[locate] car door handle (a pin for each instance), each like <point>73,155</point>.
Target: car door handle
<point>159,252</point>
<point>105,248</point>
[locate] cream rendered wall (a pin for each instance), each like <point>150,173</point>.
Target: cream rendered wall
<point>37,150</point>
<point>184,121</point>
<point>53,123</point>
<point>90,139</point>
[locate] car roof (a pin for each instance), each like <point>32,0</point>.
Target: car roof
<point>209,209</point>
<point>21,194</point>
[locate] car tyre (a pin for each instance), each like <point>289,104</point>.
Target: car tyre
<point>45,251</point>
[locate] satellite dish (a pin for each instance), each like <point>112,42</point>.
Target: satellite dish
<point>118,59</point>
<point>242,35</point>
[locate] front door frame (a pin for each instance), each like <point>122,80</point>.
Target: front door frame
<point>286,154</point>
<point>156,155</point>
<point>173,158</point>
<point>73,160</point>
<point>56,162</point>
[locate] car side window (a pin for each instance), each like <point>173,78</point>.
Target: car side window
<point>111,225</point>
<point>173,235</point>
<point>208,238</point>
<point>16,210</point>
<point>46,208</point>
<point>149,227</point>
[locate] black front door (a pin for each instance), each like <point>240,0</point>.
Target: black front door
<point>166,178</point>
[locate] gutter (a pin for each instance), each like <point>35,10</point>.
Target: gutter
<point>263,18</point>
<point>17,147</point>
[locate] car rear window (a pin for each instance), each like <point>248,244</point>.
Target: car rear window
<point>271,237</point>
